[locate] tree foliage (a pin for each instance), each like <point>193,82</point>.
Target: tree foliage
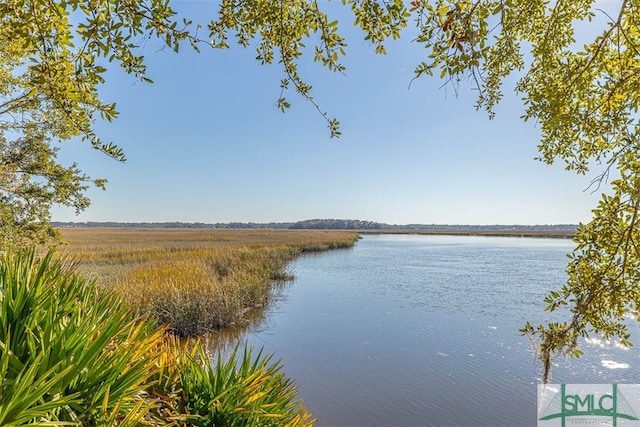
<point>584,97</point>
<point>54,55</point>
<point>280,29</point>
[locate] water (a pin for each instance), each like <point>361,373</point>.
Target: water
<point>423,331</point>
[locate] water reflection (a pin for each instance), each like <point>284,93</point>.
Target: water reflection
<point>253,321</point>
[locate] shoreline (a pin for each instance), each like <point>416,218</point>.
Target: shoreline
<point>550,234</point>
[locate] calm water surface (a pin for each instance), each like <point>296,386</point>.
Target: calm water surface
<point>423,331</point>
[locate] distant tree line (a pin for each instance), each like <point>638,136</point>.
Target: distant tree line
<point>322,224</point>
<point>338,224</point>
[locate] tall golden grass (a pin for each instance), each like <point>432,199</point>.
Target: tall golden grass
<point>71,354</point>
<point>194,280</point>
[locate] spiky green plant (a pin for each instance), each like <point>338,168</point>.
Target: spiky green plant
<point>69,354</point>
<point>241,390</point>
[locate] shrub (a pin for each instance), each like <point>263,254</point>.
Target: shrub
<point>241,390</point>
<point>69,354</point>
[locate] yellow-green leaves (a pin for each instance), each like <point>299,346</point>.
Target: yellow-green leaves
<point>54,56</point>
<point>379,21</point>
<point>280,30</point>
<point>583,94</point>
<point>52,60</point>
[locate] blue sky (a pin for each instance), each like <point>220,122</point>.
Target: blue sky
<point>206,143</point>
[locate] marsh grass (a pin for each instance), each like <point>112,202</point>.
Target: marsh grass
<point>72,354</point>
<point>75,351</point>
<point>194,281</point>
<point>198,294</point>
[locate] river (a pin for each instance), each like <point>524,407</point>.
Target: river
<point>409,330</point>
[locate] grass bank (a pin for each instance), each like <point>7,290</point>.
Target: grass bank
<point>73,354</point>
<point>193,280</point>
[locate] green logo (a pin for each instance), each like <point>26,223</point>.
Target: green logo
<point>585,404</point>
